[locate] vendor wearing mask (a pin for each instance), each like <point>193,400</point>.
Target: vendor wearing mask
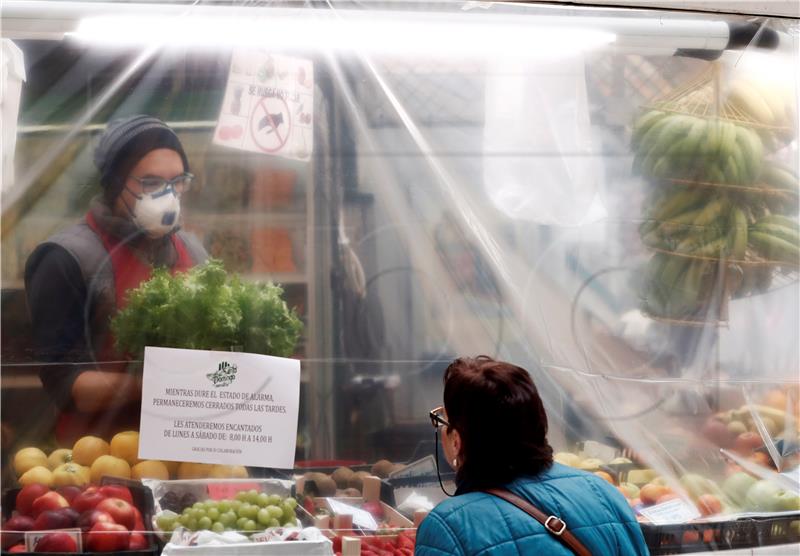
<point>78,279</point>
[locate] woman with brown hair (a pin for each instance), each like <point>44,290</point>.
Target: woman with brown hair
<point>511,497</point>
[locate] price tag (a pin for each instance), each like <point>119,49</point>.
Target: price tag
<point>33,537</point>
<point>225,491</point>
<point>361,517</point>
<point>672,511</point>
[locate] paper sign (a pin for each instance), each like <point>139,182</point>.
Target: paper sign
<point>32,537</point>
<point>227,491</point>
<point>592,449</point>
<point>219,407</point>
<point>268,106</point>
<point>361,518</point>
<point>672,511</point>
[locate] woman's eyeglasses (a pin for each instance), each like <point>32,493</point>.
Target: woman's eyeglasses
<point>437,419</point>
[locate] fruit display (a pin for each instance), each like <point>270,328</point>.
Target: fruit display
<point>248,512</point>
<point>91,458</point>
<point>344,481</point>
<point>107,516</point>
<point>400,543</point>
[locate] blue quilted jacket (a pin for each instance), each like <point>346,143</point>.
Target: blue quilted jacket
<point>479,524</point>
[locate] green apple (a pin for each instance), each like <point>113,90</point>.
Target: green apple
<point>790,501</point>
<point>765,497</point>
<point>736,486</point>
<point>697,485</point>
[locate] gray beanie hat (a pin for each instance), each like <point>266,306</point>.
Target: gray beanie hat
<point>125,142</point>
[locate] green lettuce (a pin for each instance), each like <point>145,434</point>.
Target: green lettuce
<point>206,308</point>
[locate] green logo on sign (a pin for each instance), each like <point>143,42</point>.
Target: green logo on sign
<point>224,375</point>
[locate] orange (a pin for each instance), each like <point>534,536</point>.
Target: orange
<point>775,398</point>
<point>28,458</point>
<point>70,474</point>
<point>125,445</point>
<point>150,469</point>
<point>59,457</point>
<point>172,467</point>
<point>188,470</point>
<point>604,475</point>
<point>228,472</point>
<point>650,493</point>
<point>111,467</point>
<point>39,474</point>
<point>87,449</point>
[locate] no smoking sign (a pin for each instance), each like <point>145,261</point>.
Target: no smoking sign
<point>270,124</point>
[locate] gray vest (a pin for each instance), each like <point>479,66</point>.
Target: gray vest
<point>93,259</point>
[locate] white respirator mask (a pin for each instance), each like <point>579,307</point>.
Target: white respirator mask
<point>157,213</point>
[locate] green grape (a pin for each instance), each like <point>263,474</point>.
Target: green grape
<point>263,499</point>
<point>198,506</point>
<point>275,500</point>
<point>292,522</point>
<point>275,511</point>
<point>228,519</point>
<point>263,516</point>
<point>192,524</point>
<point>166,521</point>
<point>249,511</point>
<point>197,513</point>
<point>184,520</point>
<point>250,525</point>
<point>240,523</point>
<point>241,496</point>
<point>218,527</point>
<point>274,523</point>
<point>224,506</point>
<point>252,496</point>
<point>290,502</point>
<point>204,522</point>
<point>288,512</point>
<point>213,513</point>
<point>235,505</point>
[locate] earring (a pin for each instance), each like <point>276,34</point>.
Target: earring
<point>455,462</point>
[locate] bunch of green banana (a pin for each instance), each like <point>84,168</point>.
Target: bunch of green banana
<point>671,145</point>
<point>677,287</point>
<point>783,186</point>
<point>776,238</point>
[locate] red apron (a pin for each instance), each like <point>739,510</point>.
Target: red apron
<point>129,272</point>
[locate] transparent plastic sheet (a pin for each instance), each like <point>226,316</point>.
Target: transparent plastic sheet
<point>460,199</point>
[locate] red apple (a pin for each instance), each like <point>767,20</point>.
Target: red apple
<point>14,528</point>
<point>107,537</point>
<point>27,495</point>
<point>56,542</point>
<point>717,432</point>
<point>88,500</point>
<point>138,522</point>
<point>138,542</point>
<point>87,520</point>
<point>120,511</point>
<point>53,519</point>
<point>69,492</point>
<point>117,491</point>
<point>747,442</point>
<point>47,502</point>
<point>17,549</point>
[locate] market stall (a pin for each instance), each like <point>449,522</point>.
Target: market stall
<point>607,197</point>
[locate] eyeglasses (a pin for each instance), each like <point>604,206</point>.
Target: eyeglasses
<point>437,419</point>
<point>153,185</point>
